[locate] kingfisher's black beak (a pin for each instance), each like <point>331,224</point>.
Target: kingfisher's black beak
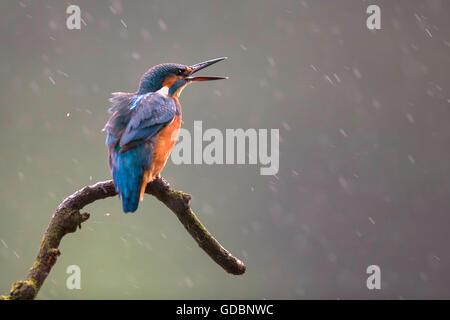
<point>202,65</point>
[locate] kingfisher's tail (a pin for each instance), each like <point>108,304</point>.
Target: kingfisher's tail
<point>128,169</point>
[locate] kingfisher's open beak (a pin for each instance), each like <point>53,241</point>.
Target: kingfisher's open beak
<point>202,65</point>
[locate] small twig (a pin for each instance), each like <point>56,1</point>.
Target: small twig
<point>67,218</point>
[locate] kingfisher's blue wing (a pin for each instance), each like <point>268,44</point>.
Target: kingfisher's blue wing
<point>150,114</point>
<point>121,115</point>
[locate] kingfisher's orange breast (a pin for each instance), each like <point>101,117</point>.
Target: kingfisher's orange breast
<point>165,140</point>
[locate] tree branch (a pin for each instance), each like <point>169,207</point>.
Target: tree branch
<point>67,218</point>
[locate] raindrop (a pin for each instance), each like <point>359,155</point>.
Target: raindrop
<point>62,73</point>
<point>53,25</point>
<point>263,83</point>
<point>357,73</point>
<point>34,87</point>
<point>336,77</point>
<point>271,61</point>
<point>410,118</point>
<point>162,25</point>
<point>376,104</point>
<point>188,282</point>
<point>423,276</point>
<point>327,77</point>
<point>208,209</point>
<point>343,182</point>
<point>116,7</point>
<point>343,132</point>
<point>135,55</point>
<point>145,34</point>
<point>332,257</point>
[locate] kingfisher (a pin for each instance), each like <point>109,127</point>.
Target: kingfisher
<point>144,127</point>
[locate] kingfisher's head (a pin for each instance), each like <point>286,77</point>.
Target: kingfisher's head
<point>173,76</point>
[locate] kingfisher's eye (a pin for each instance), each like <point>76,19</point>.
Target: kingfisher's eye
<point>180,72</point>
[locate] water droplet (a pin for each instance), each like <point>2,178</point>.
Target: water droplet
<point>4,243</point>
<point>343,132</point>
<point>162,25</point>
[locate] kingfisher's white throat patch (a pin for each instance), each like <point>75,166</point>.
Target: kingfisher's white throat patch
<point>163,91</point>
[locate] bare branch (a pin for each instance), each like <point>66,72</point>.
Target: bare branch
<point>67,218</point>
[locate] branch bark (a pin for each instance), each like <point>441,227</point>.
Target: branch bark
<point>67,218</point>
